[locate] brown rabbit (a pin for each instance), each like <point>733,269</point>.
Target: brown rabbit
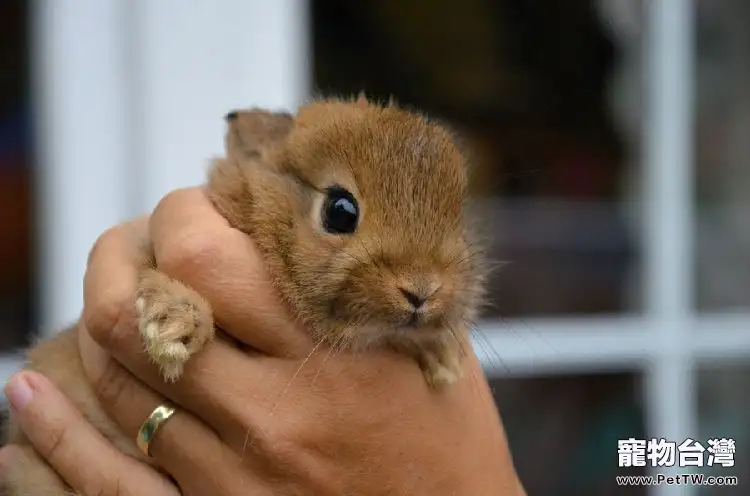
<point>374,249</point>
<point>358,210</point>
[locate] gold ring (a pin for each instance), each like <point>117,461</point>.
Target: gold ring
<point>151,426</point>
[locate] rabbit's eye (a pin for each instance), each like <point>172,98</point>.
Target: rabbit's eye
<point>340,211</point>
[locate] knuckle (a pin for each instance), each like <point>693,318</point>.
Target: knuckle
<point>113,385</point>
<point>105,238</point>
<point>188,251</point>
<point>273,441</point>
<point>101,318</point>
<point>117,486</point>
<point>189,245</point>
<point>100,486</point>
<point>60,444</point>
<point>105,305</point>
<point>56,443</point>
<point>95,488</point>
<point>123,331</point>
<point>178,196</point>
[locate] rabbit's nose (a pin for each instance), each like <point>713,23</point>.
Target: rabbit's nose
<point>418,289</point>
<point>415,300</point>
<point>418,294</point>
<point>231,116</point>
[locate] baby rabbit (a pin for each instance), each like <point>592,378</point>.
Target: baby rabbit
<point>359,212</point>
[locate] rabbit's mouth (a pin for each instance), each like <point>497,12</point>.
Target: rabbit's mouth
<point>415,319</point>
<point>420,321</point>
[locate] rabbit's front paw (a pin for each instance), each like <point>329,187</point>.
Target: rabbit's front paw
<point>441,367</point>
<point>174,322</point>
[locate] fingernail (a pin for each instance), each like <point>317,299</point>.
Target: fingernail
<point>19,392</point>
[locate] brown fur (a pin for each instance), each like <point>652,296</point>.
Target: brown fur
<point>410,182</point>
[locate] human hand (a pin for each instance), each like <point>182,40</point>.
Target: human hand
<point>284,418</point>
<point>88,462</point>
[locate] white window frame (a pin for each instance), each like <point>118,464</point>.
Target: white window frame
<point>112,142</point>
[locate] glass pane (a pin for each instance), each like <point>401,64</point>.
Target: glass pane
<point>723,405</point>
<point>530,83</point>
<point>563,431</point>
<point>15,178</point>
<point>722,154</point>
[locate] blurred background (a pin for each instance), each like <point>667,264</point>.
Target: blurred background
<point>625,309</point>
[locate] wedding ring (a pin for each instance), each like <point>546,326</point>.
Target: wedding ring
<point>151,426</point>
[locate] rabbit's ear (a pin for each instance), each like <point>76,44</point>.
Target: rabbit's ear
<point>237,187</point>
<point>239,181</point>
<point>249,131</point>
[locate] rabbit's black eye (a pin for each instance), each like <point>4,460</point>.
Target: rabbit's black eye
<point>340,211</point>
